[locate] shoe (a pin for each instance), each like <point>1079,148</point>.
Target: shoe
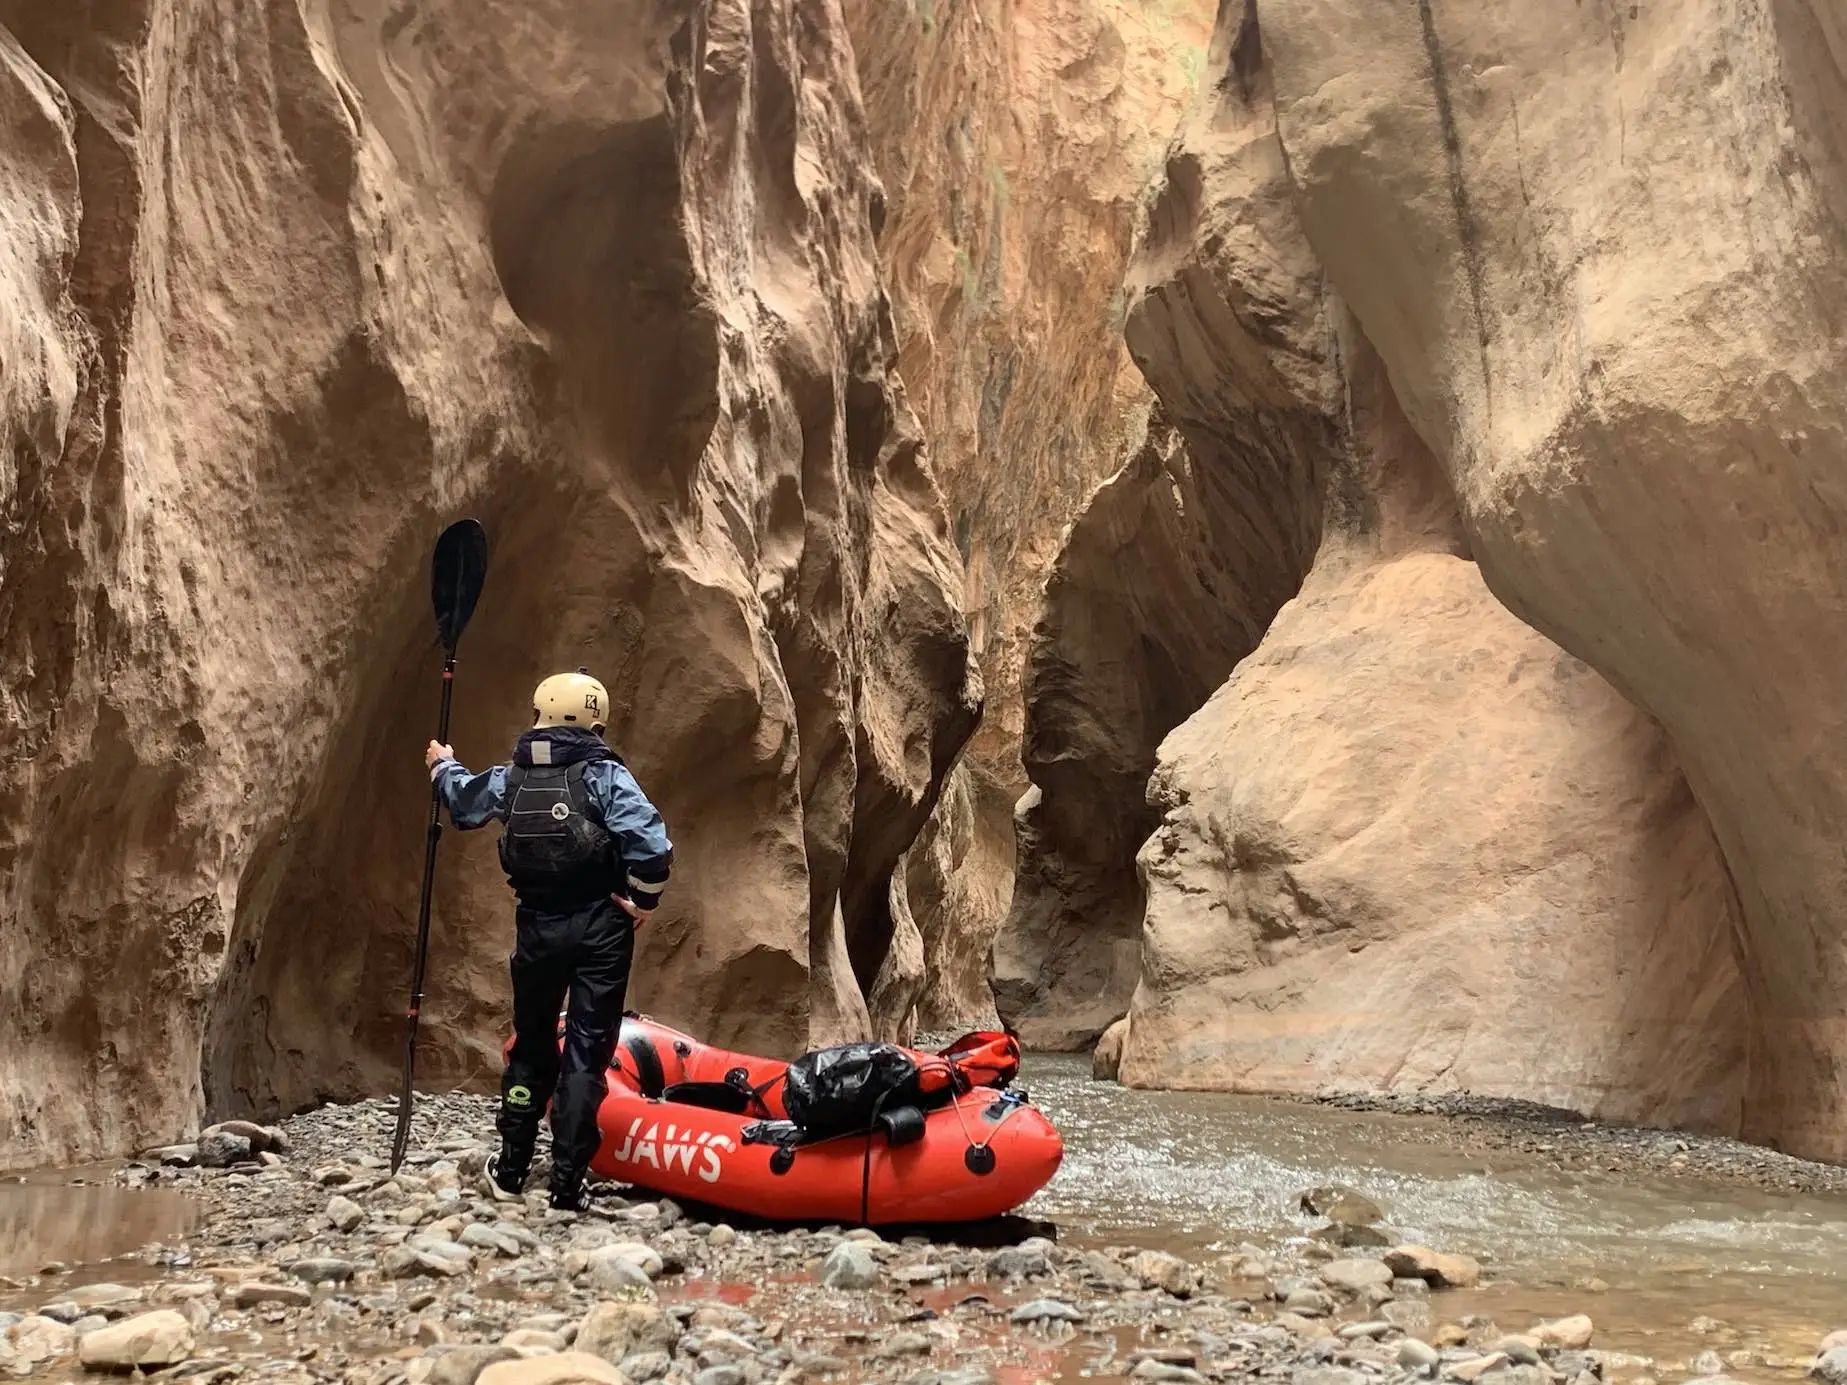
<point>500,1185</point>
<point>571,1197</point>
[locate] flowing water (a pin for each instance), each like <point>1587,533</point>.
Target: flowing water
<point>1645,1257</point>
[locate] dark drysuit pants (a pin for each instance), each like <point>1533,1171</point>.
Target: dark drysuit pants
<point>585,955</point>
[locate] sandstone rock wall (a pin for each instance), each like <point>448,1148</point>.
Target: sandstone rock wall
<point>1600,252</point>
<point>1015,141</point>
<point>1176,566</point>
<point>1410,842</point>
<point>289,286</point>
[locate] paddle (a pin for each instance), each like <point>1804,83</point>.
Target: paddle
<point>457,570</point>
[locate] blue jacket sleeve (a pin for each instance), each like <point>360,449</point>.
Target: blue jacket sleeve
<point>636,824</point>
<point>473,800</point>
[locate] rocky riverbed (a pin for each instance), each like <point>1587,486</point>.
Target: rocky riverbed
<point>308,1262</point>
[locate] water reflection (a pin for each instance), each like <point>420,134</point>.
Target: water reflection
<point>45,1219</point>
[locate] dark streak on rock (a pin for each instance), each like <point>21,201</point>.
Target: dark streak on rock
<point>1247,53</point>
<point>1467,228</point>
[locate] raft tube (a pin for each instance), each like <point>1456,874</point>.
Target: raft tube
<point>979,1155</point>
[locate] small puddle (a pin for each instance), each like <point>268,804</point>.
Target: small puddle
<point>48,1218</point>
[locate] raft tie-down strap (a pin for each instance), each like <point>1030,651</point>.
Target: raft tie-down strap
<point>739,1080</point>
<point>979,1156</point>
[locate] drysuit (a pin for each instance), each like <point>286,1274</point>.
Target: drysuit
<point>578,833</point>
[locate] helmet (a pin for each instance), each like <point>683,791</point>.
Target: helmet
<point>571,699</point>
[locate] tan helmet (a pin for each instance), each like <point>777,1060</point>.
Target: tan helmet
<point>571,699</point>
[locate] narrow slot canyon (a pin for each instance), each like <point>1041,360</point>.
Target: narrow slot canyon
<point>1233,609</point>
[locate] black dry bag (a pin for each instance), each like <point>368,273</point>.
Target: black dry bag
<point>842,1090</point>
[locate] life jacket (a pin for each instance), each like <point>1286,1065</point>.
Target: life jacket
<point>555,853</point>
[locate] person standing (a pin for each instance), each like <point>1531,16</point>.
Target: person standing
<point>587,856</point>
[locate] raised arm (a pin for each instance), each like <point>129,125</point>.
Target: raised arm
<point>473,800</point>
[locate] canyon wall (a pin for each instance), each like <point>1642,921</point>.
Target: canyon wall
<point>1015,141</point>
<point>1414,841</point>
<point>1600,253</point>
<point>286,288</point>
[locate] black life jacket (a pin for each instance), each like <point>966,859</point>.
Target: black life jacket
<point>555,853</point>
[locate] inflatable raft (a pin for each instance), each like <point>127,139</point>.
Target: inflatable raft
<point>711,1126</point>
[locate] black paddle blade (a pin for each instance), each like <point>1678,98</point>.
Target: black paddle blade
<point>456,574</point>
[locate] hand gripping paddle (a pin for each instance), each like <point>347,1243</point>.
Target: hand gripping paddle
<point>457,571</point>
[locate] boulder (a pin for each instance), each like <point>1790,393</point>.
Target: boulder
<point>1342,1206</point>
<point>1570,1334</point>
<point>849,1265</point>
<point>38,1338</point>
<point>1433,1267</point>
<point>1169,1273</point>
<point>147,1341</point>
<point>1106,1058</point>
<point>1353,1277</point>
<point>617,1331</point>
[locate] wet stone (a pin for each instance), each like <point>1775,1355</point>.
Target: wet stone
<point>322,1271</point>
<point>1518,1350</point>
<point>1351,1237</point>
<point>1168,1273</point>
<point>1309,1303</point>
<point>257,1295</point>
<point>1831,1366</point>
<point>1341,1205</point>
<point>346,1215</point>
<point>1434,1267</point>
<point>903,1344</point>
<point>1018,1262</point>
<point>39,1338</point>
<point>1417,1356</point>
<point>220,1149</point>
<point>918,1274</point>
<point>646,1365</point>
<point>147,1341</point>
<point>1161,1370</point>
<point>849,1265</point>
<point>1046,1310</point>
<point>1355,1276</point>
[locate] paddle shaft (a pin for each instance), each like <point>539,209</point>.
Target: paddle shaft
<point>402,1136</point>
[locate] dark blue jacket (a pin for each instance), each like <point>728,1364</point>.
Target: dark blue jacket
<point>474,800</point>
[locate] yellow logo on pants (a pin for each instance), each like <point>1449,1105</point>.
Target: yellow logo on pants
<point>519,1096</point>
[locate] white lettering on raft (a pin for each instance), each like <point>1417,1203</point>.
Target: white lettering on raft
<point>683,1147</point>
